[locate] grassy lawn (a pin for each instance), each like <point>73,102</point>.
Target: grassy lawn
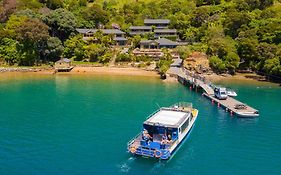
<point>85,63</point>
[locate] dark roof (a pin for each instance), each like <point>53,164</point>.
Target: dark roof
<point>105,31</point>
<point>166,42</point>
<point>138,33</point>
<point>64,60</point>
<point>120,39</point>
<point>147,41</point>
<point>165,31</point>
<point>140,28</point>
<point>156,21</point>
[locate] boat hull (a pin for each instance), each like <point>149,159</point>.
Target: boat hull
<point>163,154</point>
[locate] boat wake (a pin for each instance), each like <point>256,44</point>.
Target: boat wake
<point>157,167</point>
<point>126,166</point>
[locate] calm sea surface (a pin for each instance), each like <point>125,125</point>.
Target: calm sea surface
<point>72,125</point>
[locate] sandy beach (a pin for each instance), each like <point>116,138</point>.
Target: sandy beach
<point>80,70</point>
<point>130,71</point>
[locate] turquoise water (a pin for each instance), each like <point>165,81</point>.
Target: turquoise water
<point>72,125</point>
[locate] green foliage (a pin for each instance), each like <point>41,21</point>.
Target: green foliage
<point>74,48</point>
<point>54,49</point>
<point>123,58</point>
<point>8,50</point>
<point>184,51</point>
<point>217,64</point>
<point>62,23</point>
<point>93,52</point>
<point>105,58</point>
<point>164,65</point>
<point>12,24</point>
<point>31,34</point>
<point>235,34</point>
<point>95,15</point>
<point>273,66</point>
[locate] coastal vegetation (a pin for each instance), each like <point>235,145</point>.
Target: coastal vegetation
<point>235,34</point>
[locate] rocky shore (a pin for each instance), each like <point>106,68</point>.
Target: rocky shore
<point>23,69</point>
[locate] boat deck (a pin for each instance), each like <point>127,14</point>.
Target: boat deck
<point>156,138</point>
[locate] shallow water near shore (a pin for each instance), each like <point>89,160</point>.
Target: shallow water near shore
<point>71,125</point>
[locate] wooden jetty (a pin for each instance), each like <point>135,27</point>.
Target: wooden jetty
<point>196,81</point>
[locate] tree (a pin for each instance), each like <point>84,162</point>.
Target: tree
<point>273,66</point>
<point>217,64</point>
<point>123,57</point>
<point>12,24</point>
<point>247,51</point>
<point>31,34</point>
<point>74,48</point>
<point>136,41</point>
<point>54,49</point>
<point>234,20</point>
<point>96,15</point>
<point>8,50</point>
<point>201,16</point>
<point>53,4</point>
<point>231,62</point>
<point>93,52</point>
<point>191,34</point>
<point>105,58</point>
<point>62,23</point>
<point>265,51</point>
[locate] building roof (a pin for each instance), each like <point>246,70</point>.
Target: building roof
<point>105,31</point>
<point>120,39</point>
<point>166,42</point>
<point>168,118</point>
<point>64,60</point>
<point>156,21</point>
<point>147,41</point>
<point>140,28</point>
<point>138,32</point>
<point>165,31</point>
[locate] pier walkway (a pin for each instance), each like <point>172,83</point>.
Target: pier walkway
<point>197,81</point>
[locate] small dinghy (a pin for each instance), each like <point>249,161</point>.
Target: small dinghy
<point>231,93</point>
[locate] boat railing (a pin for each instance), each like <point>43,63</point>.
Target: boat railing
<point>133,139</point>
<point>182,104</point>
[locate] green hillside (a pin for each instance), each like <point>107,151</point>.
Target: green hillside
<point>235,34</point>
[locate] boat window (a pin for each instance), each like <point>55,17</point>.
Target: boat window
<point>185,125</point>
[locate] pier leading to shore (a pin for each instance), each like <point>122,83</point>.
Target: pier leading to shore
<point>196,81</point>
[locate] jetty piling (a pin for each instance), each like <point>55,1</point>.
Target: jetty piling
<point>195,81</point>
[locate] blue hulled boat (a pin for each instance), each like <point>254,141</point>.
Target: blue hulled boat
<point>163,131</point>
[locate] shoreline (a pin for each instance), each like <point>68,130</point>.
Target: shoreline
<point>129,71</point>
<point>82,70</point>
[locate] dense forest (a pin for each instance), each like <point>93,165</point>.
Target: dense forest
<point>235,34</point>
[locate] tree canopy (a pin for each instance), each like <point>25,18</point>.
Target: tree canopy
<point>235,34</point>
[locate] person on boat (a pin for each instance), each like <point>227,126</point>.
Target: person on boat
<point>146,136</point>
<point>165,140</point>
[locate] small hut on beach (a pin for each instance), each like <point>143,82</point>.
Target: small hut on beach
<point>63,65</point>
